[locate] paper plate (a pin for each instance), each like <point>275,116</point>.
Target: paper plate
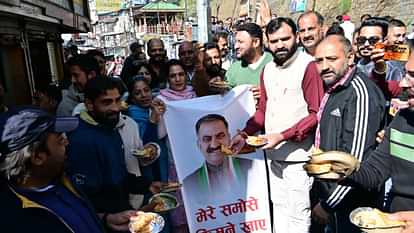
<point>395,227</point>
<point>256,141</point>
<point>155,226</point>
<point>143,157</point>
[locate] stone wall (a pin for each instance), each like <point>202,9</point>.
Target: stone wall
<point>401,9</point>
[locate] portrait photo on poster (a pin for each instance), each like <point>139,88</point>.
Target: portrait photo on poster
<point>220,189</point>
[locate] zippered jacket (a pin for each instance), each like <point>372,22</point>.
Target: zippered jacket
<point>393,158</point>
<point>350,121</point>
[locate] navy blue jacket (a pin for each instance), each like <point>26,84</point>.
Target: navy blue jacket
<point>21,214</point>
<point>96,164</point>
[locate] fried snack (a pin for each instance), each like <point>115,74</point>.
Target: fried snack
<point>147,152</point>
<point>141,222</point>
<point>170,187</point>
<point>374,218</point>
<point>142,153</point>
<point>315,151</point>
<point>256,141</point>
<point>163,202</point>
<point>159,204</point>
<point>343,162</point>
<point>331,164</point>
<point>219,84</point>
<point>226,150</point>
<point>316,169</point>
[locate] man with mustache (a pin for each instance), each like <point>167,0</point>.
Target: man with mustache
<point>220,173</point>
<point>394,156</point>
<point>99,155</point>
<point>251,58</point>
<point>290,96</point>
<point>371,32</point>
<point>310,33</point>
<point>350,115</point>
<point>210,71</point>
<point>157,59</point>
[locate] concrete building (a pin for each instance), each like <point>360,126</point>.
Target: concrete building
<point>30,43</point>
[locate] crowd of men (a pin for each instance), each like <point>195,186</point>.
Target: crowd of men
<point>315,85</point>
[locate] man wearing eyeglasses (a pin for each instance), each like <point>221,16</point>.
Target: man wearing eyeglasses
<point>373,31</point>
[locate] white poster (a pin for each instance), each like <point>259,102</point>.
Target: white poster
<point>221,193</point>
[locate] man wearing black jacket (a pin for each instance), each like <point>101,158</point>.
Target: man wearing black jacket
<point>394,157</point>
<point>350,115</point>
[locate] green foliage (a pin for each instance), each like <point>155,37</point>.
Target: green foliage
<point>345,6</point>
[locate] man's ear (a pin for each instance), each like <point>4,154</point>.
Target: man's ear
<point>350,57</point>
<point>38,158</point>
<point>89,105</point>
<point>256,43</point>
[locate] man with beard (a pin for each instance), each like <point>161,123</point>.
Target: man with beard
<point>186,54</point>
<point>350,115</point>
<point>394,156</point>
<point>221,39</point>
<point>82,68</point>
<point>212,61</point>
<point>210,71</point>
<point>35,192</point>
<point>251,58</point>
<point>97,162</point>
<point>310,26</point>
<point>158,58</point>
<point>371,32</point>
<point>290,90</point>
<point>131,61</point>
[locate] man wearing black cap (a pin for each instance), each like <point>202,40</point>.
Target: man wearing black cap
<point>34,193</point>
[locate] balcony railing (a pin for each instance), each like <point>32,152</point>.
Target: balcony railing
<point>161,29</point>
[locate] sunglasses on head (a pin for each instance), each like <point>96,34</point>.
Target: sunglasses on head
<point>371,40</point>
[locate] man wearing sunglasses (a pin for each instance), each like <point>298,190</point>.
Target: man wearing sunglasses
<point>373,31</point>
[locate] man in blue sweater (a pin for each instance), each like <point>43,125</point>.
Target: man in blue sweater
<point>35,194</point>
<point>96,160</point>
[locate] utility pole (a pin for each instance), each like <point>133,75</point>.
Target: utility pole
<point>203,20</point>
<point>132,18</point>
<point>186,9</point>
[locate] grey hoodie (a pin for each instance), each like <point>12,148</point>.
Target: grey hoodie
<point>70,98</point>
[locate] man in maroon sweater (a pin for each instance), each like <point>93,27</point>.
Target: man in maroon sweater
<point>290,94</point>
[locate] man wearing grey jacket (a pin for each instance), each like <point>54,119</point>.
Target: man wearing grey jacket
<point>82,68</point>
